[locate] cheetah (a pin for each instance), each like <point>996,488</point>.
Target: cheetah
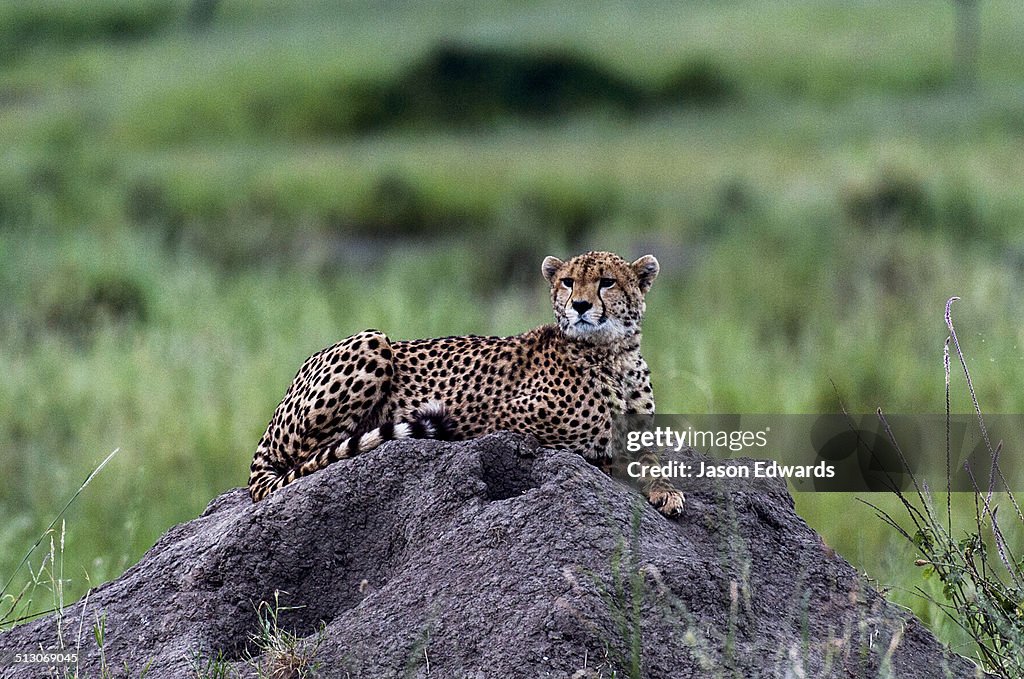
<point>562,383</point>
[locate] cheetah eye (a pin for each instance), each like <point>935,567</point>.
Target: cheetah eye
<point>606,282</point>
<point>567,282</point>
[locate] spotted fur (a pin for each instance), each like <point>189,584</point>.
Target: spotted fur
<point>562,383</point>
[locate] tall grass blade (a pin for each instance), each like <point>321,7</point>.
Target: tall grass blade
<point>57,518</point>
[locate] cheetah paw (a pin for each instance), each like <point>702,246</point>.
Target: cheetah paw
<point>667,500</point>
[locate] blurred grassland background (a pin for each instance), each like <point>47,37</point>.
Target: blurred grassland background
<point>194,196</point>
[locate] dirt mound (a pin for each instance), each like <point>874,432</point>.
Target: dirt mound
<point>493,558</point>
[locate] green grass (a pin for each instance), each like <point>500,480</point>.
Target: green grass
<point>187,392</point>
<point>180,228</point>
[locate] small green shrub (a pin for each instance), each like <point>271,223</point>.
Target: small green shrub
<point>982,579</point>
<point>699,83</point>
<point>30,24</point>
<point>116,299</point>
<point>279,652</point>
<point>892,200</point>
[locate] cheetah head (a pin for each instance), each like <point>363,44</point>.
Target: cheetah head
<point>598,297</point>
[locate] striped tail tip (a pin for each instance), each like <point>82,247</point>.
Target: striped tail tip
<point>431,421</point>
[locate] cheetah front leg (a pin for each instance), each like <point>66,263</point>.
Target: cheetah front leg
<point>668,499</point>
<point>614,462</point>
<point>639,401</point>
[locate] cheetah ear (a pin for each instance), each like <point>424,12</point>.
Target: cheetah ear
<point>550,267</point>
<point>646,269</point>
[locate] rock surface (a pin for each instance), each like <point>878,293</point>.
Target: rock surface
<point>494,558</point>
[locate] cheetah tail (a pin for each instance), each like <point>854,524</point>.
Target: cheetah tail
<point>431,421</point>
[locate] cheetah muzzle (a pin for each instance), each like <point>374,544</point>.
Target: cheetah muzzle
<point>562,383</point>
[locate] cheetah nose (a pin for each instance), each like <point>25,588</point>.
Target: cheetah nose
<point>581,306</point>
